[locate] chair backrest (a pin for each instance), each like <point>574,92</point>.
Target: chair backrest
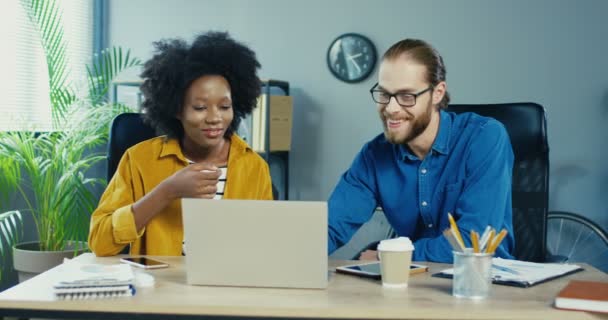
<point>127,129</point>
<point>527,128</point>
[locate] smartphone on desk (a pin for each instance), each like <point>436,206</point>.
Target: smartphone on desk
<point>372,270</point>
<point>144,263</point>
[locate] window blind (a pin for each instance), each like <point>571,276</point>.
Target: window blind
<point>24,78</point>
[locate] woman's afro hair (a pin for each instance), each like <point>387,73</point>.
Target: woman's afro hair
<point>176,64</point>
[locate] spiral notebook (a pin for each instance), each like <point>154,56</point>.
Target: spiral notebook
<point>94,281</point>
<point>522,273</point>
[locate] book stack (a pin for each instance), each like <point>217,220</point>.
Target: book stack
<point>584,295</point>
<point>94,281</point>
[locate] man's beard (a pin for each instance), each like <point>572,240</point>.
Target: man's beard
<point>417,127</point>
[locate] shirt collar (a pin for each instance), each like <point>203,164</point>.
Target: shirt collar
<point>171,147</point>
<point>442,141</point>
<point>440,145</point>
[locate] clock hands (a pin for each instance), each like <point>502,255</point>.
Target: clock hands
<point>351,58</point>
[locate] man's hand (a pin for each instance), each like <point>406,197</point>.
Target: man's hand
<point>198,180</point>
<point>369,255</point>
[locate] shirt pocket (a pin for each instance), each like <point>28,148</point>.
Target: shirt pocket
<point>447,198</point>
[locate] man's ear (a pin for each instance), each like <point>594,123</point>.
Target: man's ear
<point>439,92</point>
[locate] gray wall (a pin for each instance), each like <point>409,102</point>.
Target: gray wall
<point>545,51</point>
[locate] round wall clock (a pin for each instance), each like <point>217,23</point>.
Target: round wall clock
<point>351,57</point>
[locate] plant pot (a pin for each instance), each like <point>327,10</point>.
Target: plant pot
<point>29,261</point>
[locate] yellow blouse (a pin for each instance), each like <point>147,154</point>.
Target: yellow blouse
<point>140,170</point>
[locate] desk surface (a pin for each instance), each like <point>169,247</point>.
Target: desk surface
<point>346,297</point>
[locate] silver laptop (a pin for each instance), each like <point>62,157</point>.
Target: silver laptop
<point>256,243</point>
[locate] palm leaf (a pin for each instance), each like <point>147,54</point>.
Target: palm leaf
<point>49,170</point>
<point>10,233</point>
<point>46,17</point>
<point>104,69</point>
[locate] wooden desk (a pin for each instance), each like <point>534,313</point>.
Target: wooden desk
<point>347,297</point>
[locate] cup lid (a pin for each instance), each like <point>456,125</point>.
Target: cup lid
<point>396,244</point>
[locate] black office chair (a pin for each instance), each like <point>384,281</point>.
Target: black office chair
<point>527,129</point>
<point>128,129</point>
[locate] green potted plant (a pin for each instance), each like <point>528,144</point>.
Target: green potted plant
<point>49,170</point>
<point>10,223</point>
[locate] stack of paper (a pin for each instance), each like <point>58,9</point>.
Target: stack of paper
<point>94,281</point>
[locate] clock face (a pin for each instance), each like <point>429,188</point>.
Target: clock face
<point>351,57</point>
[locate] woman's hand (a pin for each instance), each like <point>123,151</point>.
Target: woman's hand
<point>198,180</point>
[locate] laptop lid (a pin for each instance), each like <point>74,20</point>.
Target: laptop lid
<point>256,243</point>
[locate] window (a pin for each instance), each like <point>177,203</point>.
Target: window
<point>24,88</point>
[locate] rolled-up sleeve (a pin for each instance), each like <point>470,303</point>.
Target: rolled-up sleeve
<point>123,226</point>
<point>113,223</point>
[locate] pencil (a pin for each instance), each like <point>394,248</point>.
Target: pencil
<point>419,270</point>
<point>489,241</point>
<point>483,241</point>
<point>486,231</point>
<point>497,240</point>
<point>456,231</point>
<point>475,241</point>
<point>448,234</point>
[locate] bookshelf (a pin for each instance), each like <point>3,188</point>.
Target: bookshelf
<point>275,158</point>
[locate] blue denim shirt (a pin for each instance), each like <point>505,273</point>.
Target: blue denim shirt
<point>466,173</point>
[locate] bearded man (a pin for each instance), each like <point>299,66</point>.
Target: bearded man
<point>428,163</point>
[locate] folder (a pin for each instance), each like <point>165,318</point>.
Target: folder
<point>522,273</point>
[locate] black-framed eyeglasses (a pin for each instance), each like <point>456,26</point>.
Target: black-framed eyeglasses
<point>404,99</point>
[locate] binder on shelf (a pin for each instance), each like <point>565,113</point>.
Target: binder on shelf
<point>256,121</point>
<point>281,117</point>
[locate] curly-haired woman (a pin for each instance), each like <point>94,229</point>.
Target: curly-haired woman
<point>196,95</point>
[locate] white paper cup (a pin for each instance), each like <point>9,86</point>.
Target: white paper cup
<point>395,260</point>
